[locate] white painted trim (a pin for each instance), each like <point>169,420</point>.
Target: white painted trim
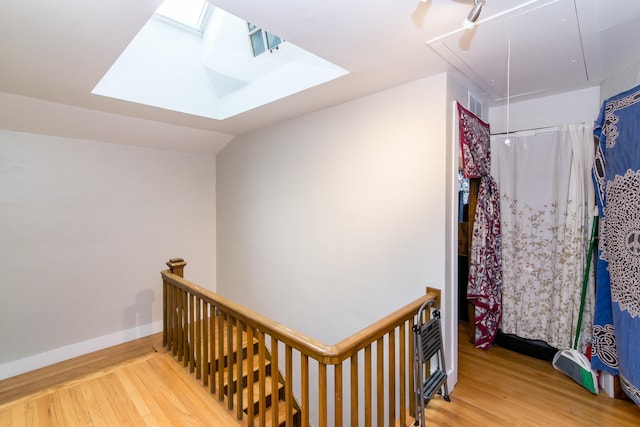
<point>606,384</point>
<point>452,332</point>
<point>60,354</point>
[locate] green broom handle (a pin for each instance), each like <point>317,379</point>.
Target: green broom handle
<point>586,279</point>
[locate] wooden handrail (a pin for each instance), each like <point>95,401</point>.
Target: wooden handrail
<point>327,354</point>
<point>309,346</point>
<point>237,351</point>
<point>348,346</point>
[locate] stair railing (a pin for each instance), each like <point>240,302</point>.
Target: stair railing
<point>201,329</point>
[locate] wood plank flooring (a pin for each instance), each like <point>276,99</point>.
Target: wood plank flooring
<point>148,388</point>
<point>70,370</point>
<point>500,387</point>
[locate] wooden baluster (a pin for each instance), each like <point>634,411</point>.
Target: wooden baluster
<point>220,370</point>
<point>367,386</point>
<point>185,328</point>
<point>354,389</point>
<point>391,345</point>
<point>206,361</point>
<point>402,338</point>
<point>380,381</point>
<point>171,318</point>
<point>198,315</point>
<point>262,378</point>
<point>213,367</point>
<point>180,325</point>
<point>192,335</point>
<point>274,382</point>
<point>177,319</point>
<point>239,374</point>
<point>250,376</point>
<point>169,315</point>
<point>174,320</point>
<point>338,410</point>
<point>174,314</point>
<point>229,359</point>
<point>304,381</point>
<point>288,389</point>
<point>322,395</point>
<point>165,321</point>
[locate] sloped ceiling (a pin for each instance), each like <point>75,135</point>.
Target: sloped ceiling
<point>55,52</point>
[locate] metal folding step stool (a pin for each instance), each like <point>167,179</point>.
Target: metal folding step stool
<point>428,343</point>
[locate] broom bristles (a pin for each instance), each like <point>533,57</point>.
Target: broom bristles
<point>577,367</point>
<point>571,362</point>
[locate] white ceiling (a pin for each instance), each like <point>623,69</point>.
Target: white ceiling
<point>53,53</point>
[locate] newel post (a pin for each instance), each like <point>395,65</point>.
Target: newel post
<point>176,266</point>
<point>436,292</point>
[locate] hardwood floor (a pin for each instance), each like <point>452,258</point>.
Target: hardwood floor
<point>77,368</point>
<point>500,387</point>
<point>145,387</point>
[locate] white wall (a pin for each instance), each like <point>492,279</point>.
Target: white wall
<point>85,229</point>
<point>337,216</point>
<point>568,107</point>
<point>330,221</point>
<point>624,79</point>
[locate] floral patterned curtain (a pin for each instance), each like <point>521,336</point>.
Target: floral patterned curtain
<point>485,269</point>
<point>546,218</point>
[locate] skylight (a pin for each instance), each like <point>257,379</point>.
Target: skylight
<point>191,13</point>
<point>199,59</point>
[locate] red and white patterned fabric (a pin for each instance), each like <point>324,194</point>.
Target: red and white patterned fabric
<point>474,144</point>
<point>484,287</point>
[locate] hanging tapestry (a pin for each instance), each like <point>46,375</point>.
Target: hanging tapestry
<point>474,144</point>
<point>485,267</point>
<point>616,177</point>
<point>546,193</point>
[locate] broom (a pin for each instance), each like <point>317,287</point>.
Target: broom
<point>571,362</point>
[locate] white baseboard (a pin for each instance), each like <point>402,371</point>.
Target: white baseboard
<point>30,363</point>
<point>606,383</point>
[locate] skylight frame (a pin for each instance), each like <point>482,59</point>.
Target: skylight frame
<point>175,13</point>
<point>262,41</point>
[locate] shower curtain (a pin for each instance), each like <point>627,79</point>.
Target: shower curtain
<point>546,210</point>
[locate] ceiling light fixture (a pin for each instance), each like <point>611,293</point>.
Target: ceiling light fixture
<point>473,15</point>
